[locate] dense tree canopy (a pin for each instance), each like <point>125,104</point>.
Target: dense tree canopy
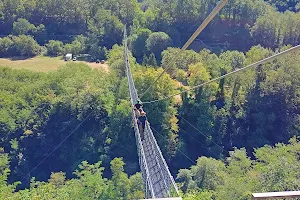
<point>22,45</point>
<point>240,25</point>
<point>239,176</point>
<point>292,5</point>
<point>88,184</point>
<point>243,131</point>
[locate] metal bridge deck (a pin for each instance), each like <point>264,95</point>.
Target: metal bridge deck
<point>157,178</point>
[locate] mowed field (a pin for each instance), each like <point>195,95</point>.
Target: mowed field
<point>45,64</point>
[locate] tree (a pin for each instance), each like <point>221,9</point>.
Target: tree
<point>198,195</point>
<point>6,45</point>
<point>107,27</point>
<point>41,113</point>
<point>233,59</point>
<point>98,52</point>
<point>19,46</point>
<point>284,5</point>
<point>152,60</point>
<point>199,74</point>
<point>6,190</point>
<point>125,11</point>
<point>239,176</point>
<point>171,57</point>
<point>54,48</point>
<point>138,42</point>
<point>22,27</point>
<point>25,46</point>
<point>136,187</point>
<point>272,162</point>
<point>79,45</point>
<point>119,178</point>
<point>94,185</point>
<point>181,76</point>
<point>279,91</point>
<point>145,60</point>
<point>73,48</point>
<point>208,173</point>
<point>58,179</point>
<point>184,176</point>
<point>40,34</point>
<point>157,42</point>
<point>275,29</point>
<point>83,42</point>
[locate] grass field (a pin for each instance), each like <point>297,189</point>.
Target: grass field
<point>44,64</point>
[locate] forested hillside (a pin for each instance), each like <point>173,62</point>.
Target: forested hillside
<point>223,141</point>
<point>154,24</point>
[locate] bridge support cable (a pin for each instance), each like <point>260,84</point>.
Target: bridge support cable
<point>157,179</point>
<point>256,64</point>
<point>208,19</point>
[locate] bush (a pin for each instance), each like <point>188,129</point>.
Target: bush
<point>19,46</point>
<point>75,48</point>
<point>54,48</point>
<point>6,45</point>
<point>25,46</point>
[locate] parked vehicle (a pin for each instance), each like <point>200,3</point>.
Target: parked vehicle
<point>68,56</point>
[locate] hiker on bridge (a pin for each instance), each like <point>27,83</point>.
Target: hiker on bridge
<point>142,124</point>
<point>138,104</point>
<point>138,108</point>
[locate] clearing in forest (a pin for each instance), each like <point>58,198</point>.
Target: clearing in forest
<point>44,64</point>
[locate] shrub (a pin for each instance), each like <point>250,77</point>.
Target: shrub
<point>54,48</point>
<point>24,45</point>
<point>6,45</point>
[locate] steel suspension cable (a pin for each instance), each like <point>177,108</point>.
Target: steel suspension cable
<point>201,133</point>
<point>177,149</point>
<point>182,130</point>
<point>228,74</point>
<point>209,18</point>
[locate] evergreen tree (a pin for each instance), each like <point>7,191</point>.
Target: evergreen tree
<point>152,60</point>
<point>145,60</point>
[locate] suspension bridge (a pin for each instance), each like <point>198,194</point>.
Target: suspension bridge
<point>157,179</point>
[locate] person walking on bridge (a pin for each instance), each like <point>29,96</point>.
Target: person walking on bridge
<point>142,124</point>
<point>136,112</point>
<point>138,108</point>
<point>138,104</point>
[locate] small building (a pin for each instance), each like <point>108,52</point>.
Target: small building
<point>68,56</point>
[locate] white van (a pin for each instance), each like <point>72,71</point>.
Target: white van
<point>68,56</point>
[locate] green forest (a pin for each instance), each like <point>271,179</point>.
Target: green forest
<point>223,141</point>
